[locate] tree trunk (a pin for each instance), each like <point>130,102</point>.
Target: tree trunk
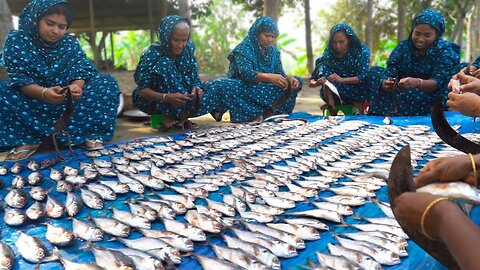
<point>468,51</point>
<point>184,8</point>
<point>402,14</point>
<point>369,28</point>
<point>271,8</point>
<point>6,25</point>
<point>457,35</point>
<point>476,29</point>
<point>308,35</point>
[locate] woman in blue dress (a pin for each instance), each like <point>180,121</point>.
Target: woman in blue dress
<point>345,64</point>
<point>257,84</point>
<point>167,77</point>
<point>418,70</point>
<point>41,58</point>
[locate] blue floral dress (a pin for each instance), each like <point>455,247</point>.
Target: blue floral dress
<point>29,60</point>
<point>356,63</point>
<point>159,71</point>
<point>439,63</point>
<point>242,96</point>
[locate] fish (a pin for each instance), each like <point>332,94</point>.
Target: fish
<point>396,247</point>
<point>225,209</point>
<point>86,231</point>
<point>35,178</point>
<point>279,202</point>
<point>69,265</point>
<point>258,217</point>
<point>134,185</point>
<point>186,200</point>
<point>207,187</point>
<point>196,192</point>
<point>73,204</point>
<point>38,193</point>
<point>76,179</point>
<point>185,229</point>
<point>209,263</point>
<point>215,214</point>
<point>143,211</point>
<point>19,182</point>
<point>336,262</point>
<point>91,199</point>
<point>257,251</point>
<point>353,191</point>
<point>153,246</point>
<point>238,257</point>
<point>163,209</point>
<point>117,187</point>
<point>177,241</point>
<point>380,254</point>
<point>141,259</point>
<point>345,200</point>
<point>149,181</point>
<point>16,198</point>
<point>320,213</point>
<point>131,219</point>
<point>112,226</point>
<point>302,231</point>
<point>36,211</point>
<point>363,260</point>
<point>7,257</point>
<point>277,247</point>
<point>111,259</point>
<point>203,222</point>
<point>385,207</point>
<point>344,210</point>
<point>454,190</point>
<point>288,238</point>
<point>54,207</point>
<point>32,249</point>
<point>67,170</point>
<point>17,168</point>
<point>293,196</point>
<point>262,184</point>
<point>382,220</point>
<point>3,170</point>
<point>237,203</point>
<point>308,222</point>
<point>14,216</point>
<point>59,236</point>
<point>265,209</point>
<point>104,191</point>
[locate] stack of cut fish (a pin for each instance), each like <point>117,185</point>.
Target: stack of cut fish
<point>234,197</point>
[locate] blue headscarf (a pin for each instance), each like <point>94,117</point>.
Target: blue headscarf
<point>251,49</point>
<point>432,18</point>
<point>29,60</point>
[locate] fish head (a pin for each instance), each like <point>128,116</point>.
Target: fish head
<point>97,234</point>
<point>152,214</point>
<point>125,230</point>
<point>6,262</point>
<point>39,253</point>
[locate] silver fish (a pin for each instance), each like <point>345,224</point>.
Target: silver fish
<point>59,236</point>
<point>32,249</point>
<point>3,171</point>
<point>385,207</point>
<point>353,191</point>
<point>209,263</point>
<point>242,194</point>
<point>280,235</point>
<point>257,251</point>
<point>238,257</point>
<point>279,202</point>
<point>380,254</point>
<point>149,181</point>
<point>67,170</point>
<point>120,160</point>
<point>104,191</point>
<point>226,209</point>
<point>293,196</point>
<point>155,247</point>
<point>134,185</point>
<point>35,178</point>
<point>143,211</point>
<point>302,231</point>
<point>111,259</point>
<point>203,222</point>
<point>396,247</point>
<point>91,199</point>
<point>36,211</point>
<point>258,217</point>
<point>7,257</point>
<point>265,209</point>
<point>453,190</point>
<point>112,226</point>
<point>86,231</point>
<point>141,259</point>
<point>76,179</point>
<point>277,247</point>
<point>131,219</point>
<point>16,198</point>
<point>117,187</point>
<point>364,260</point>
<point>14,217</point>
<point>69,265</point>
<point>336,262</point>
<point>184,229</point>
<point>73,204</point>
<point>215,214</point>
<point>102,163</point>
<point>175,240</point>
<point>17,168</point>
<point>187,201</point>
<point>339,208</point>
<point>19,182</point>
<point>38,193</point>
<point>163,209</point>
<point>238,204</point>
<point>308,222</point>
<point>345,200</point>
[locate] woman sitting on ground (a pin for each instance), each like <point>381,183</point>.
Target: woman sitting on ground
<point>345,64</point>
<point>167,76</point>
<point>418,70</point>
<point>257,84</point>
<point>40,59</point>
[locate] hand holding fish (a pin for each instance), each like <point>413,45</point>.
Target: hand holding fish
<point>335,78</point>
<point>198,90</point>
<point>446,169</point>
<point>52,96</point>
<point>294,82</point>
<point>467,103</point>
<point>177,99</point>
<point>388,85</point>
<point>468,83</point>
<point>410,83</point>
<point>318,82</point>
<point>279,81</point>
<point>76,91</point>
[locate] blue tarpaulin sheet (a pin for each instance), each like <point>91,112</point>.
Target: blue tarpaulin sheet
<point>79,252</point>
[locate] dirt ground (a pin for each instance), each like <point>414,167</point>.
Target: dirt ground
<point>126,128</point>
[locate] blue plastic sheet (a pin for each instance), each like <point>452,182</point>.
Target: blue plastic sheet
<point>417,258</point>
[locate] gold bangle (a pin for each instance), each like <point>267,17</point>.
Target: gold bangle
<point>421,83</point>
<point>474,168</point>
<point>422,221</point>
<point>43,93</point>
<point>163,97</point>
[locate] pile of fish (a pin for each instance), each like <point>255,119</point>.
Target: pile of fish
<point>259,194</point>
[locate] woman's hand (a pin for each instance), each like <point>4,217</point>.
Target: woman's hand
<point>197,90</point>
<point>410,206</point>
<point>294,82</point>
<point>51,95</point>
<point>319,82</point>
<point>409,83</point>
<point>279,81</point>
<point>468,83</point>
<point>467,103</point>
<point>177,99</point>
<point>388,85</point>
<point>446,169</point>
<point>76,91</point>
<point>335,78</point>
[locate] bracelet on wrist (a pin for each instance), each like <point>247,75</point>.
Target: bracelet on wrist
<point>43,93</point>
<point>163,97</point>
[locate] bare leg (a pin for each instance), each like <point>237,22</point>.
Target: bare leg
<point>359,106</point>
